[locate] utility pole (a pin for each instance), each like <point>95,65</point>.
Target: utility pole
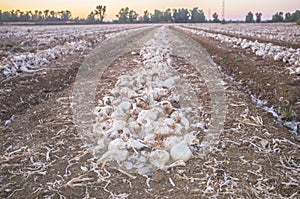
<point>209,14</point>
<point>223,10</point>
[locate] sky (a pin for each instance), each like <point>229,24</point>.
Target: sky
<point>234,9</point>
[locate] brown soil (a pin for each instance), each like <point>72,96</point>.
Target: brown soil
<point>21,93</point>
<point>42,155</point>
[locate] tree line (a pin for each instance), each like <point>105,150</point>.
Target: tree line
<point>35,16</point>
<point>181,15</point>
<point>127,15</point>
<point>277,17</point>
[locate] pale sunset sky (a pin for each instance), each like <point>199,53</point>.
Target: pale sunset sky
<point>234,9</point>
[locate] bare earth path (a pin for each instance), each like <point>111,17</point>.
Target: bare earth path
<point>243,152</point>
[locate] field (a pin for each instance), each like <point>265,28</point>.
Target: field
<point>152,111</point>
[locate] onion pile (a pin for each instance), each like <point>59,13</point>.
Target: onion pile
<point>278,53</point>
<point>141,125</point>
<point>43,45</point>
<point>281,32</point>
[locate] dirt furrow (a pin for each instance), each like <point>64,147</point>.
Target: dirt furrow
<point>42,154</point>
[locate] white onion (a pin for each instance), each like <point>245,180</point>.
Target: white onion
<point>159,158</point>
<point>181,151</point>
<point>117,144</point>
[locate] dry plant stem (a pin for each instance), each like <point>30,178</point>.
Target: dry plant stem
<point>78,182</point>
<point>125,173</point>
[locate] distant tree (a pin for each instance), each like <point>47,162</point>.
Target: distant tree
<point>146,17</point>
<point>249,18</point>
<point>295,16</point>
<point>46,14</point>
<point>157,16</point>
<point>59,14</point>
<point>133,16</point>
<point>29,15</point>
<point>181,15</point>
<point>287,17</point>
<point>215,18</point>
<point>278,17</point>
<point>17,15</point>
<point>41,16</point>
<point>167,16</point>
<point>6,16</point>
<point>52,16</point>
<point>197,16</point>
<point>91,17</point>
<point>123,15</point>
<point>34,15</point>
<point>11,14</point>
<point>258,17</point>
<point>52,13</point>
<point>20,15</point>
<point>100,12</point>
<point>66,15</point>
<point>24,16</point>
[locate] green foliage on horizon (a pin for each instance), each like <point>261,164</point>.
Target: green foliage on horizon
<point>215,18</point>
<point>249,18</point>
<point>126,15</point>
<point>181,15</point>
<point>287,17</point>
<point>35,16</point>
